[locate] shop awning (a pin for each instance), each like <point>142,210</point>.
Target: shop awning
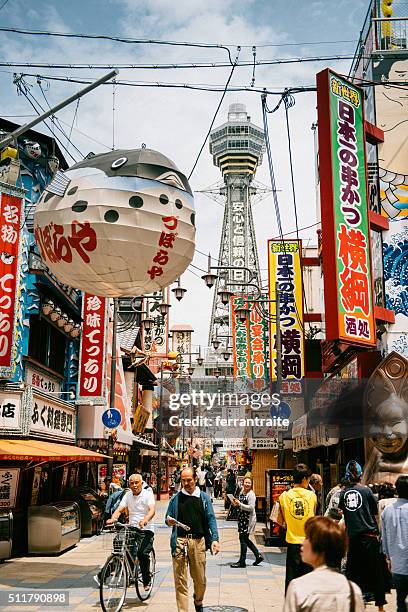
<point>39,450</point>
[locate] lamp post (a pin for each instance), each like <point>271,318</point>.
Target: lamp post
<point>109,467</point>
<point>170,355</point>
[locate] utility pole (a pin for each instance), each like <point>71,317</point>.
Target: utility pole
<point>112,395</point>
<point>159,434</point>
<point>281,452</point>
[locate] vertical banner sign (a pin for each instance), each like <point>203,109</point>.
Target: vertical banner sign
<point>249,341</point>
<point>10,223</point>
<point>93,344</point>
<point>240,340</point>
<point>285,275</point>
<point>258,334</point>
<point>347,277</point>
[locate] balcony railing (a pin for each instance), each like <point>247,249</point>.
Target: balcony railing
<point>381,34</point>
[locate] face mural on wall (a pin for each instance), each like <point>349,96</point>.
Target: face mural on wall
<point>117,224</point>
<point>386,420</point>
<point>392,117</point>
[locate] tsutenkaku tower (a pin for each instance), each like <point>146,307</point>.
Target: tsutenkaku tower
<point>236,147</point>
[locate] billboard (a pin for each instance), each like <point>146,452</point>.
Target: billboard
<point>11,207</point>
<point>93,344</point>
<point>249,341</point>
<point>349,308</point>
<point>285,277</point>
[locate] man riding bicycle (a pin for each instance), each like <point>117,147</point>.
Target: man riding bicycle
<point>140,504</point>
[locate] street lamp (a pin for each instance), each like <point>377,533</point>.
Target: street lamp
<point>200,360</point>
<point>179,291</point>
<point>225,295</point>
<point>226,354</point>
<point>164,309</point>
<point>209,277</point>
<point>242,313</point>
<point>190,370</point>
<point>216,343</point>
<point>171,355</point>
<point>147,323</point>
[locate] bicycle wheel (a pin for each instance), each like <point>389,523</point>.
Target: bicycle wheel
<point>113,584</point>
<point>140,589</point>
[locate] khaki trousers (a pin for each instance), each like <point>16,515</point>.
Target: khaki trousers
<point>196,559</point>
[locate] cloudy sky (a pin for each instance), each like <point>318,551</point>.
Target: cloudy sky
<point>175,120</point>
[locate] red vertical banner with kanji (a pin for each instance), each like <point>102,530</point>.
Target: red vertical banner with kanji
<point>10,227</point>
<point>348,292</point>
<point>93,348</point>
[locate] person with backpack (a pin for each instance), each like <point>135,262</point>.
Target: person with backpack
<point>360,509</point>
<point>297,505</point>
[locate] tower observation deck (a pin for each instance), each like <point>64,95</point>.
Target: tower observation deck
<point>237,148</point>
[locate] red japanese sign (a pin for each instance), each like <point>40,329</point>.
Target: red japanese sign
<point>10,222</point>
<point>349,310</point>
<point>166,242</point>
<point>93,342</point>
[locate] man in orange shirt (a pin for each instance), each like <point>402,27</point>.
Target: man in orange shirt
<point>297,505</point>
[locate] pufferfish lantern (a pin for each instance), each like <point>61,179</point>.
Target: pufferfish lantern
<point>117,224</point>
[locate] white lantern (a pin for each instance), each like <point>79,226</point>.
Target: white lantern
<point>117,224</point>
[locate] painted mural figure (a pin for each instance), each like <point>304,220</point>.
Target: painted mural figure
<point>386,420</point>
<point>392,118</point>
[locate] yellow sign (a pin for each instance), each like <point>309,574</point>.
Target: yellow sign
<point>140,418</point>
<point>285,280</point>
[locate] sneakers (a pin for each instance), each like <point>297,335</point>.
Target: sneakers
<point>198,607</point>
<point>147,587</point>
<point>238,564</point>
<point>258,560</point>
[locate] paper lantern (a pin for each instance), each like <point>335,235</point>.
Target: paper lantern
<point>117,224</point>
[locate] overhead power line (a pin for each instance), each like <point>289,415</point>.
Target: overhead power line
<point>175,65</point>
<point>121,39</point>
<point>129,40</point>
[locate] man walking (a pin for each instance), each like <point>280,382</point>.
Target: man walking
<point>140,504</point>
<point>359,508</point>
<point>193,508</point>
<point>316,485</point>
<point>297,505</point>
<point>394,522</point>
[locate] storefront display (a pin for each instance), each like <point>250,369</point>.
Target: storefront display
<point>277,481</point>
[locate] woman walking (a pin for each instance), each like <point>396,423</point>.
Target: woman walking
<point>325,588</point>
<point>246,523</point>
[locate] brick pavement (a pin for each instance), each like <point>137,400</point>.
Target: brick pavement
<point>254,588</point>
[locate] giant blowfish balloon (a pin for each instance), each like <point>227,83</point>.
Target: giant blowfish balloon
<point>117,224</point>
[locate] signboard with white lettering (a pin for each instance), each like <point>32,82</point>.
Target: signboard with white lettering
<point>52,418</point>
<point>8,487</point>
<point>11,206</point>
<point>93,349</point>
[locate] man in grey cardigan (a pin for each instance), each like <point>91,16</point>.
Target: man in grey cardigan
<point>246,523</point>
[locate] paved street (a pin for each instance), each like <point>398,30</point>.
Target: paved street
<point>256,588</point>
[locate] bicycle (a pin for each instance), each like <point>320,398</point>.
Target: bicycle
<point>122,568</point>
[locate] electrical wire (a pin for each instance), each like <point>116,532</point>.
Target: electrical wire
<point>215,114</point>
<point>21,90</point>
<point>133,41</point>
<point>177,65</point>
